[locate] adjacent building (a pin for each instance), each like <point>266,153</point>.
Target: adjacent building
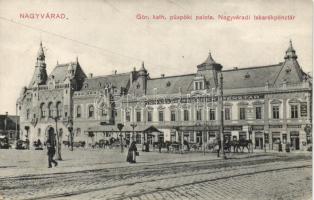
<point>9,127</point>
<point>267,104</point>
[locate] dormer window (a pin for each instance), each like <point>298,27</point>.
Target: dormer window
<point>198,85</point>
<point>247,75</point>
<point>168,84</point>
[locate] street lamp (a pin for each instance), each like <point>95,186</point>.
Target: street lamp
<point>70,129</point>
<point>133,125</point>
<point>120,127</point>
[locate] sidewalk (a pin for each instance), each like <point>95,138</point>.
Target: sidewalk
<point>31,162</point>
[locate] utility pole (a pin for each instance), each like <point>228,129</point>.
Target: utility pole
<point>222,117</point>
<point>120,127</point>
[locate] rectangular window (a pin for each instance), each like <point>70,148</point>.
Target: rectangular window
<point>138,116</point>
<point>227,113</point>
<point>212,114</point>
<point>199,115</point>
<point>149,116</point>
<point>201,85</point>
<point>191,136</point>
<point>242,113</point>
<point>161,116</point>
<point>275,112</point>
<point>258,112</point>
<point>173,115</point>
<point>196,85</point>
<point>186,115</point>
<point>294,111</point>
<point>127,116</point>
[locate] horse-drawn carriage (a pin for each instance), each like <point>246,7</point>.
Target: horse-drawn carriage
<point>234,145</point>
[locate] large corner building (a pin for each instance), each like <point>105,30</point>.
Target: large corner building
<point>267,104</point>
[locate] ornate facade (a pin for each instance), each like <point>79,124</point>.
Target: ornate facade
<point>267,104</point>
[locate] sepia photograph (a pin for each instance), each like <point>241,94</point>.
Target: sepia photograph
<point>156,100</point>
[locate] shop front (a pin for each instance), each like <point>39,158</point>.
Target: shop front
<point>276,141</point>
<point>258,136</point>
<point>295,140</point>
<point>259,142</point>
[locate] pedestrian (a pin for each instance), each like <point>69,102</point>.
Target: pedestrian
<point>131,157</point>
<point>159,146</point>
<point>51,152</point>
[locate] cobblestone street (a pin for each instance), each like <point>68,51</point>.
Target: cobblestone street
<point>171,176</point>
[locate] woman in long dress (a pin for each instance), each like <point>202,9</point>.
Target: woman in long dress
<point>131,157</point>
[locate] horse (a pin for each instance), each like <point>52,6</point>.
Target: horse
<point>235,145</point>
<point>245,144</point>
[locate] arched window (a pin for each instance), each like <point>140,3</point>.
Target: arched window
<point>78,111</point>
<point>50,109</point>
<point>91,111</point>
<point>59,109</point>
<point>78,132</point>
<point>42,110</point>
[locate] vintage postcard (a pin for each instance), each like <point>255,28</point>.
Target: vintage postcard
<point>143,99</point>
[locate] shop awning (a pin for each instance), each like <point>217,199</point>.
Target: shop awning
<point>197,128</point>
<point>127,128</point>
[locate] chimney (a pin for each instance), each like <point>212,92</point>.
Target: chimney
<point>90,75</point>
<point>115,72</point>
<point>162,75</point>
<point>6,113</point>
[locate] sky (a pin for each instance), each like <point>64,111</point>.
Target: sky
<point>106,35</point>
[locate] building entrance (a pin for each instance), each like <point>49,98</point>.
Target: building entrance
<point>295,141</point>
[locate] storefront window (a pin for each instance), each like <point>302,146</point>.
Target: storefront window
<point>284,138</point>
<point>242,135</point>
<point>138,138</point>
<point>191,137</point>
<point>276,137</point>
<point>266,138</point>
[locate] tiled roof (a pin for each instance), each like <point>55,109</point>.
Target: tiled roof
<point>234,78</point>
<point>117,81</point>
<point>60,72</point>
<point>250,77</point>
<point>170,85</point>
